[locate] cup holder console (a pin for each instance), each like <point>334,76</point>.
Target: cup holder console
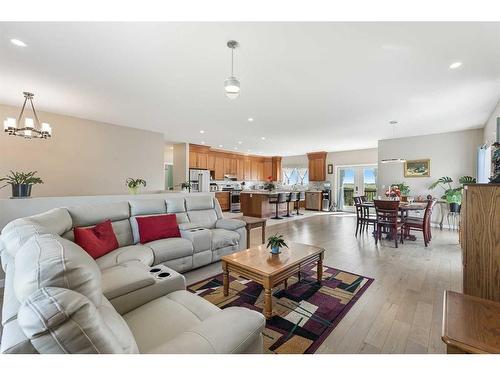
<point>159,272</point>
<point>196,229</point>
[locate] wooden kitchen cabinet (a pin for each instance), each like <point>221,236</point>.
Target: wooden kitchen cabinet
<point>268,169</point>
<point>240,169</point>
<point>314,200</point>
<point>211,162</point>
<point>247,169</point>
<point>317,166</point>
<point>480,240</point>
<point>276,168</point>
<point>219,168</point>
<point>198,156</point>
<point>224,200</point>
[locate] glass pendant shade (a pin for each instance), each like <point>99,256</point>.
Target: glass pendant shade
<point>232,87</point>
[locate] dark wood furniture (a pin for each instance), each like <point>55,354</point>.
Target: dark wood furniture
<point>254,222</point>
<point>224,200</point>
<point>389,219</point>
<point>301,197</point>
<point>421,224</point>
<point>363,217</point>
<point>480,240</point>
<point>269,270</point>
<point>470,324</point>
<point>291,198</point>
<point>277,199</point>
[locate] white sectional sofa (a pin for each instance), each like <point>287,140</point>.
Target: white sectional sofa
<point>58,299</point>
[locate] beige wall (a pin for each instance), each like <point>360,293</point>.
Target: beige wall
<point>452,154</point>
<point>83,157</point>
<point>180,159</point>
<point>490,128</point>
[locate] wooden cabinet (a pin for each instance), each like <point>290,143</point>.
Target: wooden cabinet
<point>198,156</point>
<point>268,169</point>
<point>240,169</point>
<point>219,168</point>
<point>211,162</point>
<point>247,169</point>
<point>480,240</point>
<point>317,166</point>
<point>223,198</point>
<point>276,168</point>
<point>314,200</point>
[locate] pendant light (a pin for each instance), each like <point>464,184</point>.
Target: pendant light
<point>232,85</point>
<point>393,160</point>
<point>32,127</point>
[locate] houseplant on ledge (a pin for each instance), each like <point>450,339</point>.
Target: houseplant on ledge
<point>452,195</point>
<point>21,183</point>
<point>135,184</point>
<point>276,242</point>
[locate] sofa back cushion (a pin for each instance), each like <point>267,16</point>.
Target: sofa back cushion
<point>88,215</point>
<point>58,320</point>
<point>97,240</point>
<point>147,207</point>
<point>177,206</point>
<point>157,227</point>
<point>201,210</point>
<point>18,231</point>
<point>203,218</point>
<point>51,261</point>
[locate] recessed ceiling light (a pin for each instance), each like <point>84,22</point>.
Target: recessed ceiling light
<point>250,119</point>
<point>263,138</point>
<point>236,148</point>
<point>18,42</point>
<point>240,142</point>
<point>202,131</point>
<point>220,146</point>
<point>171,147</point>
<point>202,142</point>
<point>455,65</point>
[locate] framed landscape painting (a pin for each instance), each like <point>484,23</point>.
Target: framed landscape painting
<point>418,168</point>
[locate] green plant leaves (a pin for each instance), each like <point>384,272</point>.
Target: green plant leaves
<point>28,178</point>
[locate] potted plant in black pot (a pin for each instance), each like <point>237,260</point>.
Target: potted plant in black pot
<point>21,183</point>
<point>453,195</point>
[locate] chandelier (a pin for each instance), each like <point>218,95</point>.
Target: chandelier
<point>232,85</point>
<point>32,128</point>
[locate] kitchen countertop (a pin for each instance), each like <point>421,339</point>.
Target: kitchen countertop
<point>266,192</point>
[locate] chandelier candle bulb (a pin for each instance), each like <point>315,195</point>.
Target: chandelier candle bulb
<point>46,127</point>
<point>29,123</point>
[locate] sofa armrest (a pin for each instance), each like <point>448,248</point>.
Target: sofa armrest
<point>155,286</point>
<point>229,224</point>
<point>212,335</point>
<point>120,280</point>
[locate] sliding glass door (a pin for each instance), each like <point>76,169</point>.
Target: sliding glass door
<point>353,181</point>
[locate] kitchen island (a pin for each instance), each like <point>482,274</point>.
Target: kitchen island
<point>255,203</point>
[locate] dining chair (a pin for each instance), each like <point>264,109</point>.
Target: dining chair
<point>363,217</point>
<point>388,218</point>
<point>421,224</point>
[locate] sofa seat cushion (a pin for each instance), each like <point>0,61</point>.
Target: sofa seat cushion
<point>170,248</point>
<point>223,238</point>
<point>183,309</point>
<point>124,254</point>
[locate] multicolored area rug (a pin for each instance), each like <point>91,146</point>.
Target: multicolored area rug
<point>305,313</point>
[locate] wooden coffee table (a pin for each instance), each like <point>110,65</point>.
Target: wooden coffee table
<point>258,264</point>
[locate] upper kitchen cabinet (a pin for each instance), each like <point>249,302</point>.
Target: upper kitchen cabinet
<point>198,156</point>
<point>276,168</point>
<point>219,167</point>
<point>317,166</point>
<point>268,169</point>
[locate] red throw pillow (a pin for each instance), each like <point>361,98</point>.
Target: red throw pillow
<point>157,227</point>
<point>98,240</point>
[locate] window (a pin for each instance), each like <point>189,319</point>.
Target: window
<point>295,176</point>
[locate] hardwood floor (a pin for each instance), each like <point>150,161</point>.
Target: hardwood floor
<point>401,312</point>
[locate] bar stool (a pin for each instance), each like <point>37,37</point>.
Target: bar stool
<point>292,197</point>
<point>277,200</point>
<point>301,197</point>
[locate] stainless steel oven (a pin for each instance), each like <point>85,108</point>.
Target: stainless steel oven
<point>234,199</point>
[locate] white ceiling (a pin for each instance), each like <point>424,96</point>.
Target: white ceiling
<point>309,86</point>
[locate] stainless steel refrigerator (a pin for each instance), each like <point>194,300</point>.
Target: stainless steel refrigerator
<point>200,180</point>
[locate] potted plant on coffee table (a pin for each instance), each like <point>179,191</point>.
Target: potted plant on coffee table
<point>276,242</point>
<point>21,183</point>
<point>135,184</point>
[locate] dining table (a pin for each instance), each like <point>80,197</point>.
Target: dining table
<point>404,208</point>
